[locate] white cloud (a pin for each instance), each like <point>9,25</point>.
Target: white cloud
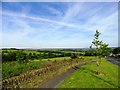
<point>73,11</point>
<point>53,10</point>
<point>39,19</point>
<point>50,33</point>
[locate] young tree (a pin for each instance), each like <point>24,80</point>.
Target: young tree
<point>101,48</point>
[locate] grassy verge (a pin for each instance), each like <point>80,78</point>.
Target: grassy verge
<point>86,78</point>
<point>14,68</point>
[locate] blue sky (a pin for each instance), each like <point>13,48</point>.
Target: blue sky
<point>58,25</point>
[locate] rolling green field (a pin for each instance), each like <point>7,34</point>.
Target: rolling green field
<point>86,78</point>
<point>25,51</point>
<point>31,51</point>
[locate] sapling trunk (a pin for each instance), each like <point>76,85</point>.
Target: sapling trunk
<point>98,62</point>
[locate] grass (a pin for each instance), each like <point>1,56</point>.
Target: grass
<point>33,65</point>
<point>38,80</point>
<point>14,68</point>
<point>86,78</point>
<point>25,51</point>
<point>87,58</point>
<point>58,68</point>
<point>57,58</point>
<point>31,51</point>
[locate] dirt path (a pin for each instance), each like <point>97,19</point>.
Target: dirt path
<point>55,82</point>
<point>114,60</point>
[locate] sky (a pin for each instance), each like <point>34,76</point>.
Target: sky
<point>58,24</point>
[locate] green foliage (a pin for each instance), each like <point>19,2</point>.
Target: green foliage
<point>101,48</point>
<point>116,50</point>
<point>11,56</point>
<point>90,52</point>
<point>46,72</point>
<point>25,55</point>
<point>14,68</point>
<point>21,57</point>
<point>74,55</point>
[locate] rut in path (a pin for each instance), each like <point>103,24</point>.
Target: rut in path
<point>55,82</point>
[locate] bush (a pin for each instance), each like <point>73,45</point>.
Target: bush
<point>73,55</point>
<point>11,56</point>
<point>90,53</point>
<point>21,57</point>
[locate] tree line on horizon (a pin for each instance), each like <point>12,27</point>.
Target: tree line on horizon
<point>19,55</point>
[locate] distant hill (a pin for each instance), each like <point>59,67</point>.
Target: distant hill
<point>50,49</point>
